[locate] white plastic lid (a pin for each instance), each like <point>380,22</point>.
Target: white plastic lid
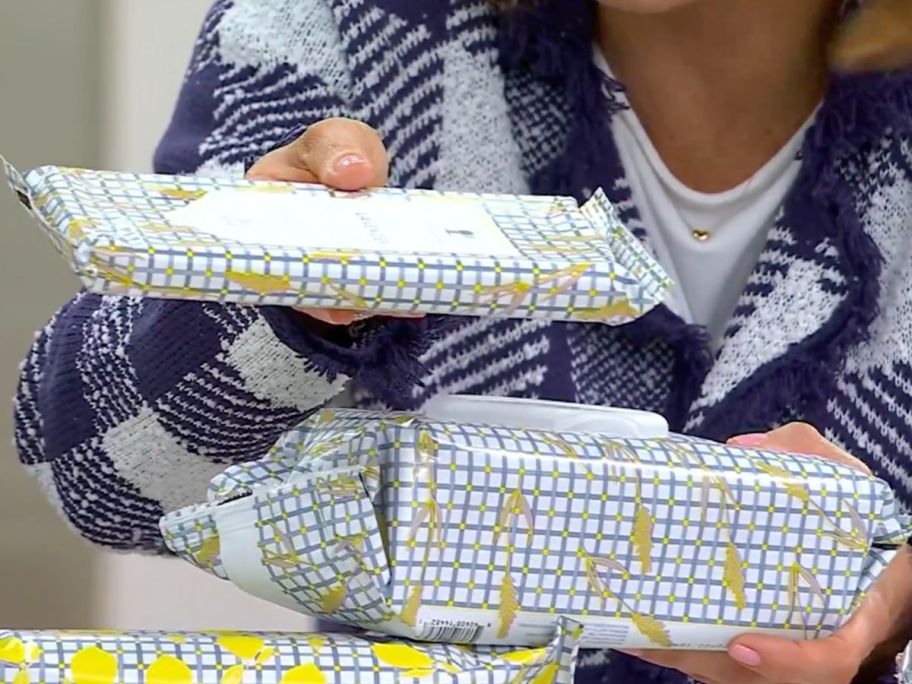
<point>551,416</point>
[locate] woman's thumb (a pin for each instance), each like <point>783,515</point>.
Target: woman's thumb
<point>341,153</point>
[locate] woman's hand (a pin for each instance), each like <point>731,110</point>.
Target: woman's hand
<point>343,154</point>
<point>881,618</point>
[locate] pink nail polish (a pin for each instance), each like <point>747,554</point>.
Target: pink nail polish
<point>348,161</point>
<point>744,655</point>
<point>753,440</point>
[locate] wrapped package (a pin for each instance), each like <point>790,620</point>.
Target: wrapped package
<point>381,251</point>
<point>233,658</point>
<point>486,532</point>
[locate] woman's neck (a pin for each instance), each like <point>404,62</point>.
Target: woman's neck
<point>721,85</point>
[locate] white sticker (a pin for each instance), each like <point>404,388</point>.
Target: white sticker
<point>419,224</point>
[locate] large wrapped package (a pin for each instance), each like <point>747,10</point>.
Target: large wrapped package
<point>382,251</point>
<point>106,657</point>
<point>483,521</point>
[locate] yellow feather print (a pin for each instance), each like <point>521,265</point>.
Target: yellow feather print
<point>409,614</point>
<point>652,629</point>
<point>355,300</point>
<point>733,575</point>
<point>260,282</point>
<point>508,607</point>
<point>618,310</point>
<point>181,194</point>
<point>333,255</point>
<point>332,600</point>
<point>786,479</point>
<point>427,446</point>
<point>642,537</point>
<point>560,444</point>
<point>208,552</point>
<point>547,675</point>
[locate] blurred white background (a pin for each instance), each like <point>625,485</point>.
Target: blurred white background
<point>86,83</point>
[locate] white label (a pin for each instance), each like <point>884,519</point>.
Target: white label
<point>418,224</point>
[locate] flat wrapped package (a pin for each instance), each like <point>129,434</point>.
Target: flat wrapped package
<point>484,521</point>
<point>380,251</point>
<point>107,657</point>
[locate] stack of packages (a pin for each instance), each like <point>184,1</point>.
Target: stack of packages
<point>483,540</point>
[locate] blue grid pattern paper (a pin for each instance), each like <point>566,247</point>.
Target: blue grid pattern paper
<point>445,531</point>
<point>109,657</point>
<point>381,251</point>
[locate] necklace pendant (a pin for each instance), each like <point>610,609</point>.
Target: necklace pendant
<point>700,235</point>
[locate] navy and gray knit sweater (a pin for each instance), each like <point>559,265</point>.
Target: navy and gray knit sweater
<point>127,408</point>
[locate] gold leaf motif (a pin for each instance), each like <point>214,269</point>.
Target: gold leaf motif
<point>516,504</point>
<point>560,444</point>
<point>733,575</point>
<point>547,675</point>
<point>332,600</point>
<point>705,488</point>
<point>355,300</point>
<point>208,552</point>
<point>334,255</point>
<point>181,194</point>
<point>619,452</point>
<point>642,537</point>
<point>812,583</point>
<point>262,283</point>
<point>859,529</point>
<point>508,607</point>
<point>427,446</point>
<point>792,486</point>
<point>529,656</point>
<point>569,277</point>
<point>517,291</point>
<point>420,517</point>
<point>409,614</point>
<point>594,581</point>
<point>621,309</point>
<point>652,629</point>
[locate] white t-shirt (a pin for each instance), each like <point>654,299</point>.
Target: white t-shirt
<point>708,242</point>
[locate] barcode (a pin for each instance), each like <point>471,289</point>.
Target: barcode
<point>444,631</point>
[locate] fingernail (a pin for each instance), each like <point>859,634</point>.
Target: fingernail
<point>753,440</point>
<point>347,161</point>
<point>744,655</point>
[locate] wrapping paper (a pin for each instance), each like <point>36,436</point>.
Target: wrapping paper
<point>383,251</point>
<point>234,658</point>
<point>471,533</point>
